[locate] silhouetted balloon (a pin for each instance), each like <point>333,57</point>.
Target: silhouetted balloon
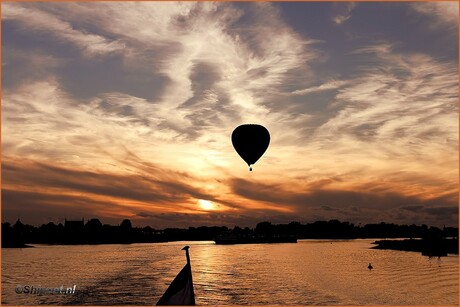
<point>250,142</point>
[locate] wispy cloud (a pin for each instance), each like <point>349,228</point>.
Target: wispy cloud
<point>361,204</point>
<point>342,12</point>
<point>38,21</point>
<point>50,186</point>
<point>330,85</point>
<point>187,45</point>
<point>404,104</point>
<point>444,12</point>
<point>145,193</point>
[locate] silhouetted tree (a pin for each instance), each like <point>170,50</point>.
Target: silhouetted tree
<point>264,229</point>
<point>93,232</point>
<point>126,225</point>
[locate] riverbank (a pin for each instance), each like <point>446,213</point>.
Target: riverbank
<point>20,245</point>
<point>437,247</point>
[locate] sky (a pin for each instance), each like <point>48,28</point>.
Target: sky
<point>117,110</point>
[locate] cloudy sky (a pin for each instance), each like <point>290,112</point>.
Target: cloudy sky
<point>125,110</point>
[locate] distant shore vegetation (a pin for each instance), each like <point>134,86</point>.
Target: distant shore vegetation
<point>94,232</point>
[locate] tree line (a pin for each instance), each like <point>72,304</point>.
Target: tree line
<point>94,232</point>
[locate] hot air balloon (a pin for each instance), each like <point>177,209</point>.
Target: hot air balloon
<point>250,142</point>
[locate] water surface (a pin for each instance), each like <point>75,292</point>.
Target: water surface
<point>311,272</point>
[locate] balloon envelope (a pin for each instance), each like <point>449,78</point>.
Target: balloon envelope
<point>250,142</point>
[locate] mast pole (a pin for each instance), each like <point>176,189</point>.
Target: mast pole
<point>187,255</point>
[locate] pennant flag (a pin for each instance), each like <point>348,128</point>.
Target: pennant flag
<point>180,292</point>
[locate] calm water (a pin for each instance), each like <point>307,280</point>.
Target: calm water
<point>310,272</point>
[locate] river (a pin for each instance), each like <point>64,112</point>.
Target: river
<point>311,272</point>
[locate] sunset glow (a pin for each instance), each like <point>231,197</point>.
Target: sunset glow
<point>125,110</point>
<point>206,204</point>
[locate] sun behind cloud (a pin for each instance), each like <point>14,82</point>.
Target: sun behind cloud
<point>206,204</point>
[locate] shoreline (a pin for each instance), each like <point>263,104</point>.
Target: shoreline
<point>377,241</point>
<point>428,247</point>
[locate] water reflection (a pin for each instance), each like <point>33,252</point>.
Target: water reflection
<point>307,273</point>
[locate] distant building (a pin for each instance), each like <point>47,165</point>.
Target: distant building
<point>94,224</point>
